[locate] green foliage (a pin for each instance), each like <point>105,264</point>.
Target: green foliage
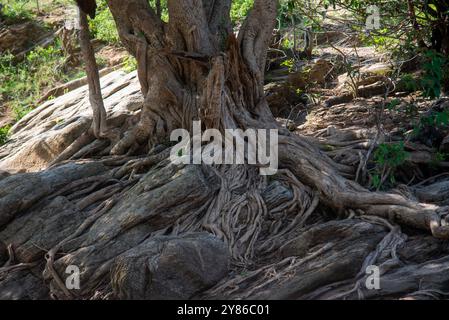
<point>408,110</point>
<point>393,104</point>
<point>387,158</point>
<point>434,120</point>
<point>289,63</point>
<point>240,9</point>
<point>376,180</point>
<point>4,133</point>
<point>24,82</point>
<point>383,41</point>
<point>130,64</point>
<point>16,11</point>
<point>433,74</point>
<point>438,158</point>
<point>103,26</point>
<point>408,82</point>
<point>431,82</point>
<point>391,155</point>
<point>164,9</point>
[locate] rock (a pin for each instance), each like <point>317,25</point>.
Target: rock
<point>23,285</point>
<point>17,38</point>
<point>21,191</point>
<point>320,71</point>
<point>168,267</point>
<point>46,226</point>
<point>39,137</point>
<point>380,69</point>
<point>437,192</point>
<point>337,232</point>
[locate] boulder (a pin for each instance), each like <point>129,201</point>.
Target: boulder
<point>168,267</point>
<point>23,285</point>
<point>19,37</point>
<point>39,137</point>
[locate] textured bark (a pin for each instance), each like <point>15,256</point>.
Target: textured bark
<point>193,68</point>
<point>93,77</point>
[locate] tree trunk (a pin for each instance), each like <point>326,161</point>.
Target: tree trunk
<point>93,78</point>
<point>201,72</point>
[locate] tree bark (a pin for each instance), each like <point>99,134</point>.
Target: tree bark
<point>99,125</point>
<point>190,73</point>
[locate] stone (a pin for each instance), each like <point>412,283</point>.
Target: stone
<point>17,38</point>
<point>39,137</point>
<point>168,267</point>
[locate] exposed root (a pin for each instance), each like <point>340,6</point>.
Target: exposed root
<point>10,265</point>
<point>50,272</point>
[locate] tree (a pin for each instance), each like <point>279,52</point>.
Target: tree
<point>190,68</point>
<point>196,54</point>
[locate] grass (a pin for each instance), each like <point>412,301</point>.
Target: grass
<point>103,26</point>
<point>23,83</point>
<point>16,11</point>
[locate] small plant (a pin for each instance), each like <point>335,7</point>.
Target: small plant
<point>433,74</point>
<point>4,133</point>
<point>130,64</point>
<point>240,9</point>
<point>393,104</point>
<point>103,26</point>
<point>289,63</point>
<point>387,158</point>
<point>101,62</point>
<point>435,120</point>
<point>24,82</point>
<point>411,110</point>
<point>16,11</point>
<point>409,83</point>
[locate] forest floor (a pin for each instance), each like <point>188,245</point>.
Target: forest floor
<point>378,131</point>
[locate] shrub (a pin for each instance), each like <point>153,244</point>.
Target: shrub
<point>103,26</point>
<point>16,11</point>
